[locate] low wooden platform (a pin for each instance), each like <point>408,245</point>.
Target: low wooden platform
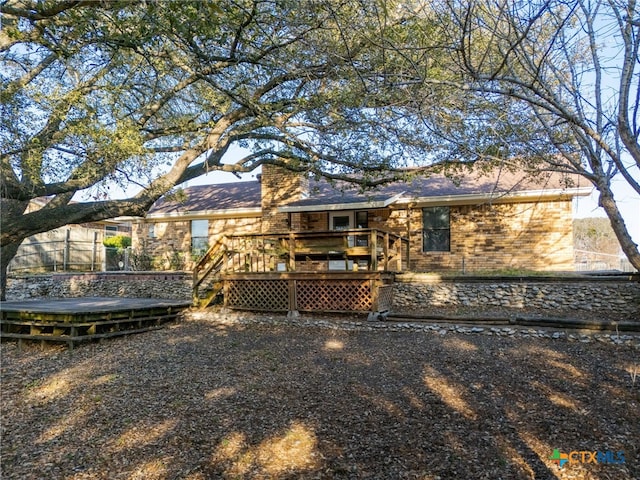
<point>73,320</point>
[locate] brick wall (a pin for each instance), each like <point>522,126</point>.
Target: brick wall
<point>170,244</point>
<point>526,236</point>
<point>530,236</point>
<point>165,242</point>
<point>280,187</point>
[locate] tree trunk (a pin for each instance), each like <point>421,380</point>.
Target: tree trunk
<point>9,210</point>
<point>627,244</point>
<point>7,254</point>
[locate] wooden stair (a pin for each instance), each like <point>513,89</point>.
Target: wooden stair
<point>211,263</point>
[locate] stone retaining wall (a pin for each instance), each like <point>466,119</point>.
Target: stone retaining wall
<point>412,292</point>
<point>608,295</point>
<point>105,284</point>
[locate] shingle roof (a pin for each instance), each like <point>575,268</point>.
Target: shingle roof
<point>496,183</point>
<point>222,196</point>
<point>246,195</point>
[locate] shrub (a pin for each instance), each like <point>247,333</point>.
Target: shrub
<point>119,241</point>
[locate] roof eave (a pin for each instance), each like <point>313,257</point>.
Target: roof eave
<point>497,197</point>
<point>200,214</point>
<point>340,206</point>
<point>460,199</point>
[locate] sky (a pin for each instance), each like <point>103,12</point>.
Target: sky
<point>628,202</point>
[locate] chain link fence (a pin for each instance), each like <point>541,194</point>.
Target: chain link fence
<point>586,261</point>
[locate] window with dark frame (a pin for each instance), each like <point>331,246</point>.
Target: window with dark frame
<point>341,222</point>
<point>362,221</point>
<point>436,230</point>
<point>110,231</point>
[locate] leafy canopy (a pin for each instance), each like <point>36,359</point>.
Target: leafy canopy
<point>155,93</point>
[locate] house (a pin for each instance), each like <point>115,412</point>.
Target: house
<point>473,221</point>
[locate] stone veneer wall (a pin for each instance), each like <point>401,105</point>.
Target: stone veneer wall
<point>174,285</point>
<point>412,292</point>
<point>605,296</point>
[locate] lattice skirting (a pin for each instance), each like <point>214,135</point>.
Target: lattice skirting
<point>334,295</point>
<point>268,295</point>
<point>385,298</point>
<point>328,295</point>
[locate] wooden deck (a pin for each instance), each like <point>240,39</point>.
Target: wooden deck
<point>73,320</point>
<point>335,271</point>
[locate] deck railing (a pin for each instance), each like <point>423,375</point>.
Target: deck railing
<point>345,250</point>
<point>321,251</point>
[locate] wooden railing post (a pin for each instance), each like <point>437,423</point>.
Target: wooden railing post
<point>397,247</point>
<point>292,252</point>
<point>194,292</point>
<point>374,250</point>
<point>293,299</point>
<point>386,251</point>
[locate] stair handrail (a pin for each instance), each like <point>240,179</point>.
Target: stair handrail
<point>211,260</point>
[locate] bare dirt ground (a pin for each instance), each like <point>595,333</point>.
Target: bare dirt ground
<point>204,399</point>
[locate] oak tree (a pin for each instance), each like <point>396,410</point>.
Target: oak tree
<point>152,94</point>
<point>541,85</point>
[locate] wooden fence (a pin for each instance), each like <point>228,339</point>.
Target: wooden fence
<point>66,250</point>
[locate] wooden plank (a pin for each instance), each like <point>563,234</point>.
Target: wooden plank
<point>292,252</point>
<point>386,251</point>
<point>293,303</point>
<point>373,244</point>
<point>320,250</point>
<point>79,338</point>
<point>216,288</point>
<point>87,305</point>
<point>328,275</point>
<point>85,323</point>
<point>360,251</point>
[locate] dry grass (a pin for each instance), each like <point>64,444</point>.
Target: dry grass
<point>203,399</point>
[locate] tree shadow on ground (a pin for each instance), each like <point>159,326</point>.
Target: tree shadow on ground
<point>201,400</point>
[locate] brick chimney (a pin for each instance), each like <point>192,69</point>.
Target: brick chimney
<point>279,187</point>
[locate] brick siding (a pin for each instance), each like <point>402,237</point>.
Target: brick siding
<point>528,236</point>
<point>170,247</point>
<point>279,187</point>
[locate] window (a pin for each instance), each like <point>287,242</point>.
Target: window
<point>110,231</point>
<point>362,221</point>
<point>435,229</point>
<point>199,236</point>
<point>342,222</point>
